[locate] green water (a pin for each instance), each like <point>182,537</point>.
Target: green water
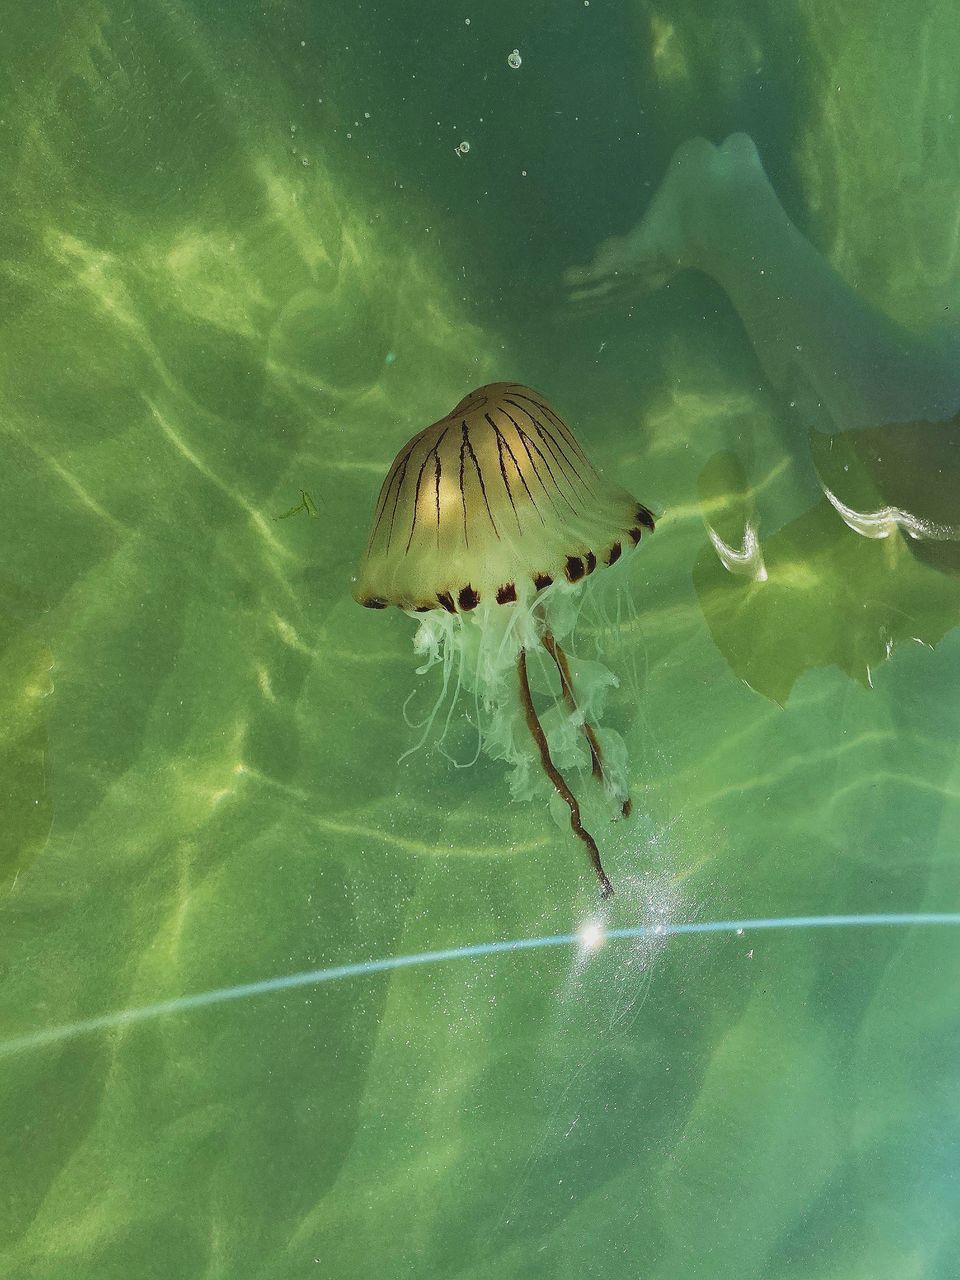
<point>240,257</point>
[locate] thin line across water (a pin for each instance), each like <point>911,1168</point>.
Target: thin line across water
<point>361,968</point>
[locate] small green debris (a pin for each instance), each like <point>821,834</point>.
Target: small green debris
<point>306,504</point>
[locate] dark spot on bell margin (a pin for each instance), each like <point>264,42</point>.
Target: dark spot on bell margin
<point>591,562</point>
<point>506,594</point>
<point>541,580</point>
<point>446,599</point>
<point>468,598</point>
<point>575,569</point>
<point>636,535</point>
<point>423,608</point>
<point>613,555</point>
<point>645,518</point>
<point>374,602</point>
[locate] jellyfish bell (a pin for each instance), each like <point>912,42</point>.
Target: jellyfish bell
<point>488,527</point>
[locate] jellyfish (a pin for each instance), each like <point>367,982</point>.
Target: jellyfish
<point>487,529</point>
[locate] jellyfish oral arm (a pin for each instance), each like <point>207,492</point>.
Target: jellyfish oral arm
<point>566,684</point>
<point>556,777</point>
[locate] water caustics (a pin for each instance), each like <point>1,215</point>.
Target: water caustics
<point>589,938</point>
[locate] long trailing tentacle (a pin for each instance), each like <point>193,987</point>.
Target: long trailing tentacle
<point>448,650</point>
<point>566,686</point>
<point>468,764</point>
<point>569,697</point>
<point>427,724</point>
<point>556,777</point>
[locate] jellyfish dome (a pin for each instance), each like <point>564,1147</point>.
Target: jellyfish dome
<point>487,530</point>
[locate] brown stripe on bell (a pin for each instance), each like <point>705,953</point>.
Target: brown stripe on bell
<point>498,491</point>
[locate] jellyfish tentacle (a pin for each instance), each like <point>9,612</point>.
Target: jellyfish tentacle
<point>456,692</point>
<point>566,684</point>
<point>441,698</point>
<point>633,623</point>
<point>556,777</point>
<point>507,637</point>
<point>468,764</point>
<point>412,724</point>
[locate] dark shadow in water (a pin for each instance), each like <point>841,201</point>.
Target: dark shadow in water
<point>564,144</point>
<point>873,408</point>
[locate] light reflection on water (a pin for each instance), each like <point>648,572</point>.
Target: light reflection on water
<point>588,938</point>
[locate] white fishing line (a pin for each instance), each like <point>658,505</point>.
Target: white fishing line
<point>361,968</point>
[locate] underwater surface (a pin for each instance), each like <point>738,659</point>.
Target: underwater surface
<point>247,251</point>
